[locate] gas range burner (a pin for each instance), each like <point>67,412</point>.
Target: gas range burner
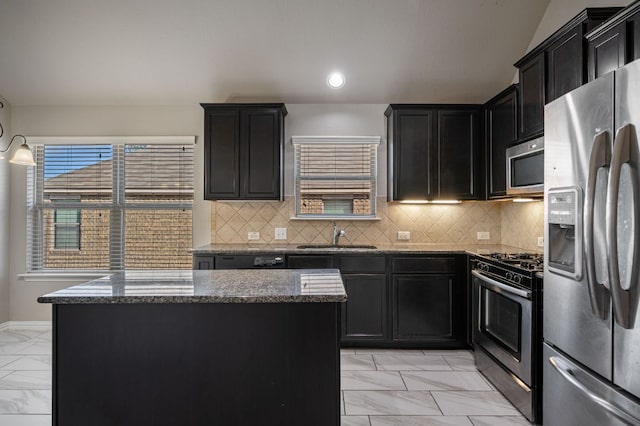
<point>527,261</point>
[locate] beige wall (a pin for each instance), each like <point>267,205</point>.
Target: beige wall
<point>5,184</point>
<point>522,224</point>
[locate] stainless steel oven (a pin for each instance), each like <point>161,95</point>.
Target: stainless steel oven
<point>525,168</point>
<point>503,323</point>
<point>506,326</point>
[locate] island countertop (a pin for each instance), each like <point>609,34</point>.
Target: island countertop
<point>213,286</point>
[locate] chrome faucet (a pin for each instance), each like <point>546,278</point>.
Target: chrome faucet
<point>337,233</point>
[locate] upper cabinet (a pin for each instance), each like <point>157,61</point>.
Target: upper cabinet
<point>532,95</point>
<point>433,152</point>
<point>554,68</point>
<point>614,43</point>
<point>501,132</point>
<point>243,151</point>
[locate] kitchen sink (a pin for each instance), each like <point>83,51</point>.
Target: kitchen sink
<point>336,247</point>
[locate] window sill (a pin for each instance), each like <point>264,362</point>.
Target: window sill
<point>61,276</point>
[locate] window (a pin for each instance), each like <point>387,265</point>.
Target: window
<point>66,223</point>
<point>335,176</point>
<point>110,206</point>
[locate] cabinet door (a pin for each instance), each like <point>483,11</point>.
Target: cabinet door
<point>633,35</point>
<point>502,131</point>
<point>457,152</point>
<point>260,154</point>
<point>423,307</point>
<point>311,261</point>
<point>412,143</point>
<point>221,151</point>
<point>364,315</point>
<point>607,52</point>
<point>565,64</point>
<point>532,97</point>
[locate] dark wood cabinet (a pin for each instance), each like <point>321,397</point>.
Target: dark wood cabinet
<point>555,67</point>
<point>614,43</point>
<point>393,301</point>
<point>243,151</point>
<point>501,115</point>
<point>411,144</point>
<point>458,145</point>
<point>364,315</point>
<point>565,64</point>
<point>423,307</point>
<point>428,301</point>
<point>433,152</point>
<point>532,96</point>
<point>311,261</point>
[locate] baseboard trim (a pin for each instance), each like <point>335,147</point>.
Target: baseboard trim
<point>24,324</point>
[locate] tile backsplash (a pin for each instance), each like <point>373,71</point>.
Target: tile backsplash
<point>507,223</point>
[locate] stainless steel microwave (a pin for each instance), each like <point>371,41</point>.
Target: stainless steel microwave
<point>525,168</point>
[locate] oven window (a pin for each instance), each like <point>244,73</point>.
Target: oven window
<point>500,320</point>
<point>527,170</point>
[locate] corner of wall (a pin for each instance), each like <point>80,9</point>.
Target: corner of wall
<point>5,190</point>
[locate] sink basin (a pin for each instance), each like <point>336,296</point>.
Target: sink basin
<point>332,247</point>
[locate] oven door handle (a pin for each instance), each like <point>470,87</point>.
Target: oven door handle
<point>485,281</point>
<point>569,374</point>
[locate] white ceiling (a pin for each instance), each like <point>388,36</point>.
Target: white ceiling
<point>181,52</point>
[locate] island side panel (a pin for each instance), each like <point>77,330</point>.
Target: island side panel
<point>196,364</point>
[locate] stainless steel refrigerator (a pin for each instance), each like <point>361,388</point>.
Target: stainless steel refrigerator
<point>592,254</point>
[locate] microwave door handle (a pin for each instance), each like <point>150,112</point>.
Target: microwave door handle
<point>571,375</point>
<point>625,151</point>
<point>600,158</point>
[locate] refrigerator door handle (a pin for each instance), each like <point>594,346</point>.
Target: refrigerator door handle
<point>571,375</point>
<point>625,151</point>
<point>600,158</point>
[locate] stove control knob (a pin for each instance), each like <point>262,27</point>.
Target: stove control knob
<point>517,278</point>
<point>485,267</point>
<point>509,276</point>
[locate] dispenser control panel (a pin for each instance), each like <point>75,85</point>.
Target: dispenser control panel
<point>562,207</point>
<point>564,231</point>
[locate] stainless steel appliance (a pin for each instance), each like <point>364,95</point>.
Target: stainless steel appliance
<point>525,168</point>
<point>592,254</point>
<point>506,329</point>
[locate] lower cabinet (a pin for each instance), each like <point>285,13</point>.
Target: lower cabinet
<point>423,306</point>
<point>394,300</point>
<point>364,315</point>
<point>428,301</point>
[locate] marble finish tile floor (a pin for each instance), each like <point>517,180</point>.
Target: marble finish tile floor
<point>419,388</point>
<point>379,387</point>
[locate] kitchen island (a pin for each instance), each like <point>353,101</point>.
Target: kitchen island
<point>198,348</point>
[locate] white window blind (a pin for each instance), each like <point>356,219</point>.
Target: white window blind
<point>335,176</point>
<point>110,207</point>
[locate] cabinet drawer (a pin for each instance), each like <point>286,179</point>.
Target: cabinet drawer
<point>425,265</point>
<point>311,262</point>
<point>364,264</point>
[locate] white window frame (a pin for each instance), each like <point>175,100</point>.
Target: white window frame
<point>118,142</point>
<point>336,140</point>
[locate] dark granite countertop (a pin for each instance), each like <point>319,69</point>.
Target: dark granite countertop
<point>381,249</point>
<point>227,286</point>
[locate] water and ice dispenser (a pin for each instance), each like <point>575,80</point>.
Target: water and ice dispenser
<point>564,218</point>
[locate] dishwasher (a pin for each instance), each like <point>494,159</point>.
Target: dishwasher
<point>243,261</point>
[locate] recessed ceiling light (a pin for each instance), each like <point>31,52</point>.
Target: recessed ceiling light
<point>335,80</point>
